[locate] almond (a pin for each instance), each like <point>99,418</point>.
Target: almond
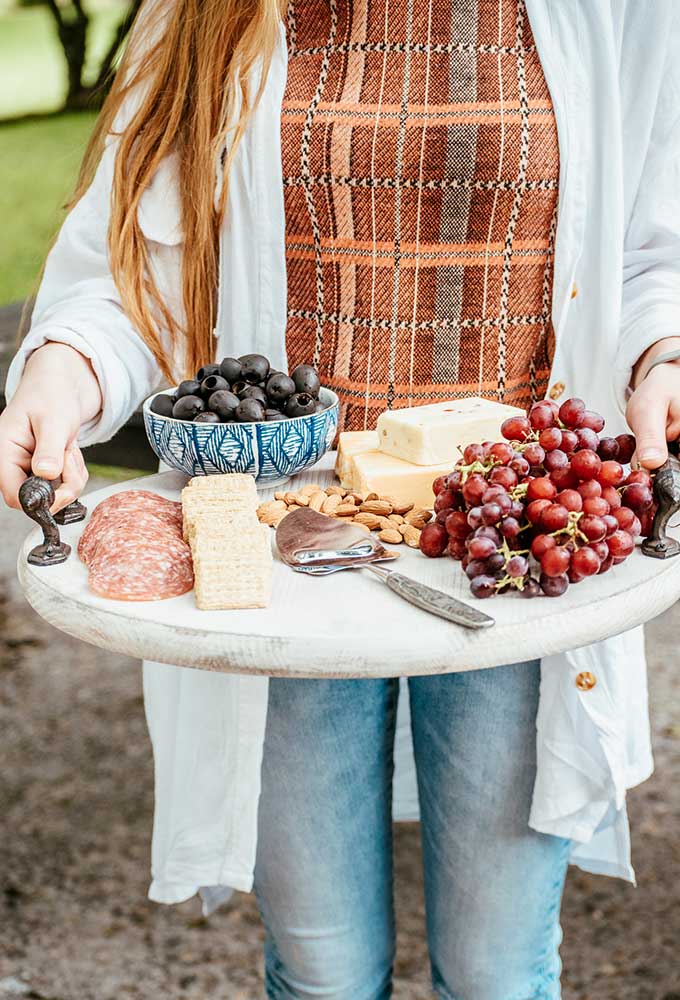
<point>331,503</point>
<point>386,524</point>
<point>380,507</point>
<point>270,513</point>
<point>411,536</point>
<point>371,521</point>
<point>345,510</point>
<point>402,508</point>
<point>391,536</point>
<point>302,499</point>
<point>372,496</point>
<point>280,496</point>
<point>419,518</point>
<point>310,489</point>
<point>356,497</point>
<point>397,518</point>
<point>336,491</point>
<point>317,501</point>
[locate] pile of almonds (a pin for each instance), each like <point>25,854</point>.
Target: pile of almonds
<point>394,522</point>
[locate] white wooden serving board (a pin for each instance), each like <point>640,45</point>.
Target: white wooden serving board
<point>345,625</point>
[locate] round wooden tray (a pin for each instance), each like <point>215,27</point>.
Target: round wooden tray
<point>345,625</point>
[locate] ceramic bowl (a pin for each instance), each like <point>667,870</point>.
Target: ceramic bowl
<point>271,452</point>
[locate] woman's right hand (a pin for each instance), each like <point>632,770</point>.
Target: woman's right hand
<point>58,393</point>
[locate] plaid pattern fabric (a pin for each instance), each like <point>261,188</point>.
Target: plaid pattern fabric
<point>421,164</point>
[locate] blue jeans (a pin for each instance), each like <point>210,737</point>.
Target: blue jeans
<point>324,873</point>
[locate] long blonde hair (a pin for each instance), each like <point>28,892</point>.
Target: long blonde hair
<point>192,67</point>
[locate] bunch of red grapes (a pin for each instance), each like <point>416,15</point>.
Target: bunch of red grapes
<point>550,505</point>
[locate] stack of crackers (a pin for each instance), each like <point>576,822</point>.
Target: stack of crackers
<point>231,550</point>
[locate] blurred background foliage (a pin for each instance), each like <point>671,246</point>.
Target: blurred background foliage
<point>55,61</point>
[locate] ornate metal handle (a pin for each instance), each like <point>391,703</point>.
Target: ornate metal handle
<point>435,601</point>
<point>36,496</point>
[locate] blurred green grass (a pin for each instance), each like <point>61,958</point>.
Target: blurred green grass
<point>39,162</point>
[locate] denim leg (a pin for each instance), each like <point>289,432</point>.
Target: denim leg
<point>323,875</point>
<point>493,886</point>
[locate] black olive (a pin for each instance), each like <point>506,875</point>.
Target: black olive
<point>280,387</point>
<point>254,392</point>
<point>306,380</point>
<point>238,387</point>
<point>250,411</point>
<point>223,403</point>
<point>162,405</point>
<point>254,367</point>
<point>188,407</point>
<point>320,407</point>
<point>190,387</point>
<point>231,370</point>
<point>207,418</point>
<point>211,384</point>
<point>300,405</point>
<point>272,415</point>
<point>207,370</point>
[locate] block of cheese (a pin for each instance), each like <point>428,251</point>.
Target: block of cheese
<point>376,472</point>
<point>436,433</point>
<point>352,443</point>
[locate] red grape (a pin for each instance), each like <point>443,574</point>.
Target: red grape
<point>608,449</point>
<point>474,488</point>
<point>564,479</point>
<point>590,488</point>
<point>473,453</point>
<point>481,548</point>
<point>516,428</point>
<point>610,474</point>
<point>585,561</point>
<point>517,566</point>
<point>555,562</point>
<point>433,540</point>
<point>496,564</point>
<point>569,441</point>
<point>534,454</point>
<point>597,506</point>
<point>504,476</point>
<point>556,459</point>
<point>635,528</point>
<point>541,544</point>
<point>639,476</point>
<point>601,550</point>
<point>441,515</point>
<point>454,480</point>
<point>611,523</point>
<point>627,445</point>
<point>445,499</point>
<point>541,416</point>
<point>554,518</point>
<point>621,544</point>
<point>554,586</point>
<point>476,567</point>
<point>535,509</point>
<point>483,586</point>
<point>572,412</point>
<point>474,517</point>
<point>488,531</point>
<point>541,489</point>
<point>439,485</point>
<point>593,421</point>
<point>550,438</point>
<point>612,496</point>
<point>520,465</point>
<point>491,513</point>
<point>502,452</point>
<point>493,493</point>
<point>625,517</point>
<point>637,497</point>
<point>647,521</point>
<point>532,588</point>
<point>457,525</point>
<point>606,564</point>
<point>456,549</point>
<point>573,576</point>
<point>587,439</point>
<point>510,528</point>
<point>592,527</point>
<point>586,464</point>
<point>571,499</point>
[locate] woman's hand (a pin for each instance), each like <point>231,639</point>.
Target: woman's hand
<point>653,410</point>
<point>58,393</point>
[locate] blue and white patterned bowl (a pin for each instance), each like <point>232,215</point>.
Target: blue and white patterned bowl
<point>272,452</point>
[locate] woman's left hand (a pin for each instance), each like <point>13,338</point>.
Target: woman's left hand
<point>653,410</point>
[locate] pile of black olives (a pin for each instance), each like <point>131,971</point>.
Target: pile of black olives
<point>243,389</point>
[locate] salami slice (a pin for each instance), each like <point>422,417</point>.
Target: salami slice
<point>134,549</point>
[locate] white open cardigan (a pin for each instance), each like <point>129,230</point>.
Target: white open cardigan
<point>613,69</point>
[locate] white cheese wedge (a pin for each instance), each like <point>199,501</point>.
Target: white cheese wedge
<point>434,434</point>
<point>376,472</point>
<point>352,443</point>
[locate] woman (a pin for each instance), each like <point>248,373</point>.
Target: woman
<point>426,199</point>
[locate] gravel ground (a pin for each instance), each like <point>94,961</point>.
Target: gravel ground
<point>76,804</point>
